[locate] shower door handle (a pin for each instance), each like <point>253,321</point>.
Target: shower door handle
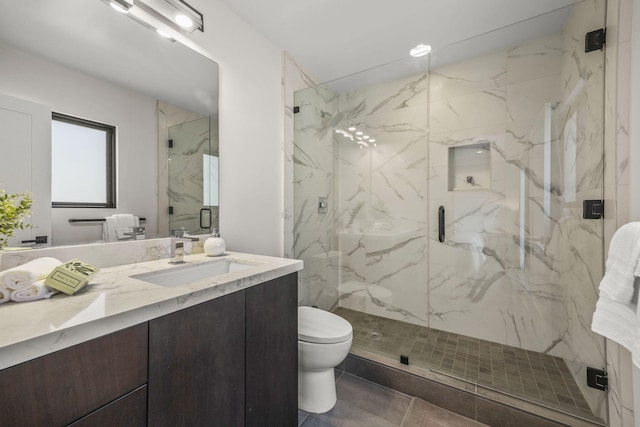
<point>203,210</point>
<point>441,223</point>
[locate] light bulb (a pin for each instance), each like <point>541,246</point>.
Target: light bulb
<point>184,21</point>
<point>420,50</point>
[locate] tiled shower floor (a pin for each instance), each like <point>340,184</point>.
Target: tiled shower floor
<point>536,377</point>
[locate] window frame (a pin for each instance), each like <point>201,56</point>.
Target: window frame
<point>110,161</point>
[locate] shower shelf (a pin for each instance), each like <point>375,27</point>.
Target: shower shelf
<point>470,167</point>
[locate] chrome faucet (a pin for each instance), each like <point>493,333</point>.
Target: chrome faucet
<point>177,246</point>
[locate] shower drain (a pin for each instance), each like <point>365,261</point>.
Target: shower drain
<point>375,335</point>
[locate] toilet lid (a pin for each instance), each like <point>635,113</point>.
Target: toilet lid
<point>322,327</point>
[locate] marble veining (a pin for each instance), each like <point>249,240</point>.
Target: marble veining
<point>114,300</point>
<point>519,266</point>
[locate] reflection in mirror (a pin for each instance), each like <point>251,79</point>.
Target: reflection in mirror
<point>192,199</point>
<point>109,69</point>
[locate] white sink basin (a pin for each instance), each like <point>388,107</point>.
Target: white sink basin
<point>188,273</point>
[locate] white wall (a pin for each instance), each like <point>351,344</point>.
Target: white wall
<point>73,93</point>
<point>634,119</point>
<point>251,130</point>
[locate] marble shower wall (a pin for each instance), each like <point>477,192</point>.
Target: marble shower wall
<point>519,265</point>
<point>382,198</point>
<point>617,103</point>
<point>313,177</point>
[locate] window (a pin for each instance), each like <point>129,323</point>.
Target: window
<point>82,163</point>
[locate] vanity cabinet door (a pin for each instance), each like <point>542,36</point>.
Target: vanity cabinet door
<point>272,353</point>
<point>196,365</point>
<point>61,387</point>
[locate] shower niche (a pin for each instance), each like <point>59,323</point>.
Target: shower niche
<point>470,167</point>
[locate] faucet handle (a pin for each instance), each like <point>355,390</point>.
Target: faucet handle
<point>177,233</point>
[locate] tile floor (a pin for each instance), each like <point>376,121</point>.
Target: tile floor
<point>365,404</point>
<point>535,377</point>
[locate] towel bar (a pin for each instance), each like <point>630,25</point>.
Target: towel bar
<point>94,219</point>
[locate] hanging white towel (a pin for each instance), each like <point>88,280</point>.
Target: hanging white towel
<point>115,227</point>
<point>35,291</point>
<point>622,263</point>
<point>616,316</point>
<point>615,321</point>
<point>22,276</point>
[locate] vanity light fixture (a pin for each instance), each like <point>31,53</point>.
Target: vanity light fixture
<point>169,18</point>
<point>186,16</point>
<point>420,50</point>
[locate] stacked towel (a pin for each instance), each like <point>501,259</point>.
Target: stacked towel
<point>622,263</point>
<point>617,316</point>
<point>34,291</point>
<point>115,227</point>
<point>5,295</point>
<point>23,283</point>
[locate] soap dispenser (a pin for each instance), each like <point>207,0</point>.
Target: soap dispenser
<point>214,245</point>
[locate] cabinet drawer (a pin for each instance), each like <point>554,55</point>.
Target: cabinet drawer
<point>61,387</point>
<point>128,411</point>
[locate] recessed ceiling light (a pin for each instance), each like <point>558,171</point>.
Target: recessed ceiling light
<point>359,133</point>
<point>184,21</point>
<point>365,136</point>
<point>352,128</point>
<point>420,50</point>
<point>372,140</point>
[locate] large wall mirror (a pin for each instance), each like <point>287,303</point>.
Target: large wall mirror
<point>82,59</point>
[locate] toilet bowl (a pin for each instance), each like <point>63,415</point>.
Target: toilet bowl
<point>324,340</point>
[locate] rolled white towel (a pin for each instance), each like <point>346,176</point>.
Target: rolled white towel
<point>35,291</point>
<point>5,294</point>
<point>22,276</point>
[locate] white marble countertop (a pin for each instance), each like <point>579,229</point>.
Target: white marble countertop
<point>114,300</point>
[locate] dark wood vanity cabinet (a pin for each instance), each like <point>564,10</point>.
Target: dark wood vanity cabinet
<point>62,387</point>
<point>231,361</point>
<point>272,353</point>
<point>196,365</point>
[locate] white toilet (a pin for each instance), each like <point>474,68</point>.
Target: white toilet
<point>324,340</point>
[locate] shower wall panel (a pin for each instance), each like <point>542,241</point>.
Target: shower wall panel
<point>520,266</point>
<point>314,232</point>
<point>382,199</point>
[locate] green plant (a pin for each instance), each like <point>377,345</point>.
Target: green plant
<point>14,208</point>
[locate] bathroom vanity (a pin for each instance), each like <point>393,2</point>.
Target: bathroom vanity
<point>216,351</point>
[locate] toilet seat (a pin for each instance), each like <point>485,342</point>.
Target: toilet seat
<point>321,327</point>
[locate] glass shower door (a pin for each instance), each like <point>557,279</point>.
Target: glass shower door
<point>515,147</point>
